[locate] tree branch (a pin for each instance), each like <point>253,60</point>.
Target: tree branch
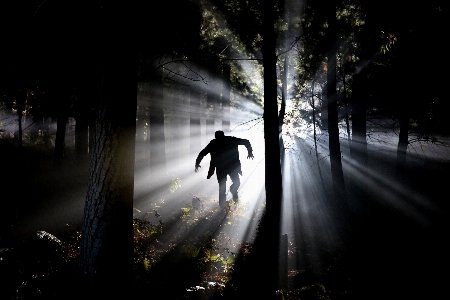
<point>292,46</point>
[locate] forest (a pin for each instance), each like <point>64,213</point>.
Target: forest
<point>105,106</point>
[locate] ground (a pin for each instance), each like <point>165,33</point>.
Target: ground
<point>392,241</point>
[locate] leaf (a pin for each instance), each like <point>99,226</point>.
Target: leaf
<point>147,264</point>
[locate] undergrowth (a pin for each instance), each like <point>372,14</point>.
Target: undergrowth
<point>191,256</point>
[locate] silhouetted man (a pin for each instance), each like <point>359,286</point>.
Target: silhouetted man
<point>225,161</point>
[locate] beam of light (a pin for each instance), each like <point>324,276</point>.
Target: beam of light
<point>307,219</point>
<point>384,183</point>
<point>155,201</point>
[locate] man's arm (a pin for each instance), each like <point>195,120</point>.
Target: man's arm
<point>200,156</point>
<point>247,145</point>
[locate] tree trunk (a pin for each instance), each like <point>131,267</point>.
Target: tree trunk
<point>226,92</point>
<point>343,98</point>
<point>20,109</point>
<point>333,120</point>
<point>87,90</point>
<point>61,125</point>
<point>141,124</point>
<point>106,249</point>
<point>324,110</point>
<point>359,143</point>
<point>403,136</point>
<point>270,229</point>
<point>213,95</point>
<point>157,137</point>
<point>210,117</point>
<point>313,104</point>
<point>194,125</point>
<point>81,135</point>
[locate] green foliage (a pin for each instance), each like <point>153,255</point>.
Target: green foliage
<point>185,211</point>
<point>144,253</point>
<point>175,184</point>
<point>191,251</point>
<point>388,42</point>
<point>146,263</point>
<point>144,229</point>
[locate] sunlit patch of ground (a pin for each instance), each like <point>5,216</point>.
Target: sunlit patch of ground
<point>203,240</point>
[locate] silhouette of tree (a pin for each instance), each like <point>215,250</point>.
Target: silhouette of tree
<point>107,233</point>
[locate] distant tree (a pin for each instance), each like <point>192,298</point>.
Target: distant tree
<point>332,101</point>
<point>226,89</point>
<point>86,91</point>
<point>194,121</point>
<point>20,107</point>
<point>358,110</point>
<point>62,102</point>
<point>155,94</point>
<point>393,37</point>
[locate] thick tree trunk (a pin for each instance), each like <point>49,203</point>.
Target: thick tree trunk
<point>270,229</point>
<point>258,276</point>
<point>106,249</point>
<point>333,120</point>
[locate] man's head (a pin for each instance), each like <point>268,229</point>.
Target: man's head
<point>219,134</point>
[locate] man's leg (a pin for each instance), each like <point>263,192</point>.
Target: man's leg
<point>222,179</point>
<point>236,182</point>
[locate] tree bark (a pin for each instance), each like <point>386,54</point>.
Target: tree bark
<point>333,120</point>
<point>106,249</point>
<point>273,182</point>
